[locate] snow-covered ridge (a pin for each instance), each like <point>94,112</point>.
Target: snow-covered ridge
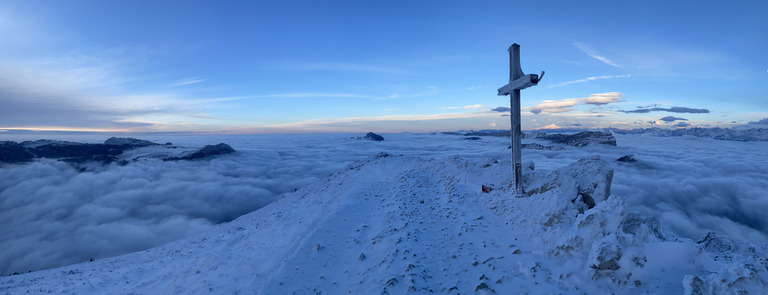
<point>399,224</point>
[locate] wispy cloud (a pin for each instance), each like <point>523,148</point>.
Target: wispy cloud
<point>186,81</point>
<point>594,54</point>
<point>589,79</point>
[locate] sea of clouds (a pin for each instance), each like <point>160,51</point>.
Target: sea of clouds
<point>54,215</point>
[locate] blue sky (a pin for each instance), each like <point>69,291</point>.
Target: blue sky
<point>354,66</point>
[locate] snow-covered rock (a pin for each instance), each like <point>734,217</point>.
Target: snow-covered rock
<point>579,139</point>
<point>587,181</point>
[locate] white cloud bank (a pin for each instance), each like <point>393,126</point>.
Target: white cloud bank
<point>566,105</point>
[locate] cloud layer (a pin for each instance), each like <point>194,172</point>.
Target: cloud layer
<point>53,215</point>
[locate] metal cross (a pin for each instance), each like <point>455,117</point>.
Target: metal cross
<point>517,81</point>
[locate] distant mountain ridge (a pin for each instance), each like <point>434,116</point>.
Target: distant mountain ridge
<point>752,134</point>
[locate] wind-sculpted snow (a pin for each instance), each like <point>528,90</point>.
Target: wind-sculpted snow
<point>397,224</point>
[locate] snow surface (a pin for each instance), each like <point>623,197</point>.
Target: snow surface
<point>55,216</point>
<point>402,224</point>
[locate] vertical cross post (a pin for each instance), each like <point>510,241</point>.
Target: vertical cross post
<point>514,115</point>
<point>517,82</point>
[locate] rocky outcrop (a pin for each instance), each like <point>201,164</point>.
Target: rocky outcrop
<point>373,136</point>
<point>627,159</point>
<point>586,182</point>
<point>205,152</point>
<point>579,139</point>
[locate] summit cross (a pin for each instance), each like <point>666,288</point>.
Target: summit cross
<point>517,81</point>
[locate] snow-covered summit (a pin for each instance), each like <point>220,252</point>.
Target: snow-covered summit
<point>401,224</point>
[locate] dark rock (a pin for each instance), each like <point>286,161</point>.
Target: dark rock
<point>373,136</point>
<point>472,138</point>
<point>206,151</point>
<point>627,159</point>
<point>580,139</point>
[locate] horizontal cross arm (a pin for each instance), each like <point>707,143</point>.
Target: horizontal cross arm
<point>521,83</point>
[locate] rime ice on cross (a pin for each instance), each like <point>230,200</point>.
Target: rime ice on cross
<point>517,81</point>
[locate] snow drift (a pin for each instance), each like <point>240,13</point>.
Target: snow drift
<point>398,224</point>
